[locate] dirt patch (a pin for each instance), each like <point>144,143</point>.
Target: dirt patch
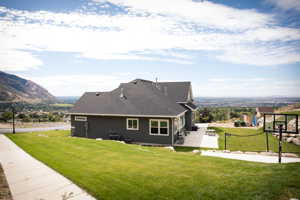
<point>228,125</point>
<point>4,189</point>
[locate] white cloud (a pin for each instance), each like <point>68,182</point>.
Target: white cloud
<point>13,60</point>
<point>248,88</point>
<point>152,30</point>
<point>286,4</point>
<point>237,79</point>
<point>201,12</point>
<point>63,85</point>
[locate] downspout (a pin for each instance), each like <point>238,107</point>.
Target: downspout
<point>86,128</point>
<point>172,119</point>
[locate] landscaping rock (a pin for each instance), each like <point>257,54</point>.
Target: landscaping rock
<point>237,152</point>
<point>290,139</point>
<point>195,151</point>
<point>99,139</point>
<point>292,155</point>
<point>169,147</point>
<point>251,153</point>
<point>292,135</point>
<point>122,142</point>
<point>269,153</point>
<point>296,141</point>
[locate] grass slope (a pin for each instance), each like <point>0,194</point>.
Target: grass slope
<point>253,143</point>
<point>110,170</point>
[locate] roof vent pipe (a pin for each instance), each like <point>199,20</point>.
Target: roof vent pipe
<point>122,94</point>
<point>166,90</point>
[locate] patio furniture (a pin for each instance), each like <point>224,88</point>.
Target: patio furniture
<point>210,132</point>
<point>194,128</point>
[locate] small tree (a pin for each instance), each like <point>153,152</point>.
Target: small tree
<point>237,123</point>
<point>206,116</point>
<point>21,116</point>
<point>7,116</point>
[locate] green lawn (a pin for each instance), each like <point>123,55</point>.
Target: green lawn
<point>292,112</point>
<point>253,143</point>
<point>110,170</point>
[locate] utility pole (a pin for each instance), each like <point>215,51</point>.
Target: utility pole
<point>13,111</point>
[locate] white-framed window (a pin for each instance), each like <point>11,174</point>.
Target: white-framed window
<point>159,127</point>
<point>132,124</point>
<point>81,118</point>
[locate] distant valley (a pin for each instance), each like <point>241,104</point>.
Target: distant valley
<point>245,101</point>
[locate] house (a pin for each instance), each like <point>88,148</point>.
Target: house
<point>141,111</point>
<point>260,111</point>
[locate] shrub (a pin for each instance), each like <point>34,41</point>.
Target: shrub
<point>242,123</point>
<point>237,123</point>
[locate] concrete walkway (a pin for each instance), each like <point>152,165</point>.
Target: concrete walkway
<point>29,179</point>
<point>210,141</point>
<point>249,157</point>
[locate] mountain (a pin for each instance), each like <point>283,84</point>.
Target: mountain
<point>14,88</point>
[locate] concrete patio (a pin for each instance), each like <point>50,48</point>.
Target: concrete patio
<point>200,139</point>
<point>29,179</point>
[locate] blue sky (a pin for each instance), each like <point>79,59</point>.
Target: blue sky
<point>225,48</point>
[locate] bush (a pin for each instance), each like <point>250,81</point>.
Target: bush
<point>7,116</point>
<point>242,123</point>
<point>237,123</point>
<point>26,119</point>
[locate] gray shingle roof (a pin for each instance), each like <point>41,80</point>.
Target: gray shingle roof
<point>141,97</point>
<point>177,91</point>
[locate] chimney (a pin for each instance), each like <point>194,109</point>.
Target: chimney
<point>166,90</point>
<point>156,84</point>
<point>122,96</point>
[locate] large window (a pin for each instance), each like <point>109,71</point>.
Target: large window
<point>159,127</point>
<point>132,124</point>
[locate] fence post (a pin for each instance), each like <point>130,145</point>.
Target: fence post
<point>267,140</point>
<point>280,143</point>
<point>225,141</point>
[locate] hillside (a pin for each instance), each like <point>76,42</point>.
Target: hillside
<point>14,88</point>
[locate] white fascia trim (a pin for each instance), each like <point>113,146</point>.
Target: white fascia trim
<point>190,107</point>
<point>124,115</point>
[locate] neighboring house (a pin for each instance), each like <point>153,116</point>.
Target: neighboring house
<point>247,119</point>
<point>142,111</point>
<point>261,110</point>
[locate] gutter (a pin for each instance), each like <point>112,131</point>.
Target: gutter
<point>128,115</point>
